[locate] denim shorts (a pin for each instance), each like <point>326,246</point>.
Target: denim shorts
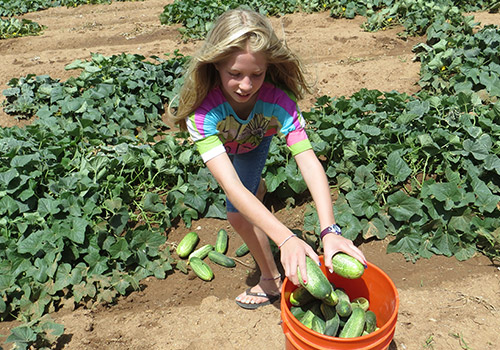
<point>249,168</point>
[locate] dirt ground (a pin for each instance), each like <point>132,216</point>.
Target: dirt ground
<point>444,304</point>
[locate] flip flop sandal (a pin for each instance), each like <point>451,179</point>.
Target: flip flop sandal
<point>270,299</point>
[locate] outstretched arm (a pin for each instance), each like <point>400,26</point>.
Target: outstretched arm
<point>317,182</point>
<point>294,250</point>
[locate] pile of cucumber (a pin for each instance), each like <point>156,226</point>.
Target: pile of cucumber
<point>328,310</point>
<point>216,253</point>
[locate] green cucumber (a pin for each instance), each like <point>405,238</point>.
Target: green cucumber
<point>327,311</point>
<point>317,283</point>
<point>221,259</point>
<point>355,324</point>
<point>332,326</point>
<point>343,308</point>
<point>346,266</point>
<point>201,252</point>
<point>299,311</point>
<point>242,250</point>
<point>371,321</point>
<point>361,302</point>
<point>300,296</point>
<point>342,294</point>
<point>201,269</point>
<point>187,244</point>
<point>332,299</point>
<point>221,241</point>
<point>307,319</point>
<point>318,325</point>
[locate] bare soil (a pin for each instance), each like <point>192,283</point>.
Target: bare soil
<point>444,304</point>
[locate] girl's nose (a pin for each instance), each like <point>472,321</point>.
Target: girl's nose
<point>246,84</point>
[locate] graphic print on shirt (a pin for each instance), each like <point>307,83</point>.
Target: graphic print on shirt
<point>241,138</point>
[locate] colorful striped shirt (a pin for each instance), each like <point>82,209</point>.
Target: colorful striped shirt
<point>215,128</point>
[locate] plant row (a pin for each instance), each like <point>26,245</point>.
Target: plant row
<point>11,27</point>
<point>197,16</point>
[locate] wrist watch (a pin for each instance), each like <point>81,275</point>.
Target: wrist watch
<point>331,229</point>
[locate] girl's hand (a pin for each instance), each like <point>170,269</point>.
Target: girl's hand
<point>293,256</point>
<point>333,243</point>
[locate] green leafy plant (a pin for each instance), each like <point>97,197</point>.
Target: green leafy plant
<point>13,28</point>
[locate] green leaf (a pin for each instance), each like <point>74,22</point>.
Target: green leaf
<point>403,207</point>
<point>406,241</point>
<point>397,167</point>
<point>48,206</point>
<point>363,202</point>
<point>22,334</point>
<point>445,243</point>
<point>479,148</point>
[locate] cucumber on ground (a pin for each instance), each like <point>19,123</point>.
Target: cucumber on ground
<point>221,259</point>
<point>187,244</point>
<point>201,252</point>
<point>346,266</point>
<point>242,250</point>
<point>371,321</point>
<point>201,269</point>
<point>355,324</point>
<point>221,241</point>
<point>317,283</point>
<point>300,296</point>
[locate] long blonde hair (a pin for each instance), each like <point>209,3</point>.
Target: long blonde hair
<point>236,30</point>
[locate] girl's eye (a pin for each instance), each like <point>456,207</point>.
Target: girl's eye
<point>234,74</point>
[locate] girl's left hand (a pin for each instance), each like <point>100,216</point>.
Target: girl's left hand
<point>333,244</point>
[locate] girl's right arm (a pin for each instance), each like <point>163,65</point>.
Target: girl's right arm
<point>294,251</point>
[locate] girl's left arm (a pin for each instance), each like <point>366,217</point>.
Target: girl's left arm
<point>315,177</point>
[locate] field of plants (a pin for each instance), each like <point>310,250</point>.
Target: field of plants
<point>95,185</point>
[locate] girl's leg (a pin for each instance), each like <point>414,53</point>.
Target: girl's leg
<point>258,243</point>
<point>249,167</point>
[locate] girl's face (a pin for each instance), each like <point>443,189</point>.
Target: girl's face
<point>242,75</point>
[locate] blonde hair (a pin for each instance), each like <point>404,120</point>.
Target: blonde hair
<point>237,30</point>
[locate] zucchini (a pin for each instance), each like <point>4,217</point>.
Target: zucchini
<point>355,324</point>
<point>201,252</point>
<point>317,283</point>
<point>221,259</point>
<point>221,241</point>
<point>187,244</point>
<point>242,250</point>
<point>201,269</point>
<point>371,321</point>
<point>361,302</point>
<point>300,296</point>
<point>346,266</point>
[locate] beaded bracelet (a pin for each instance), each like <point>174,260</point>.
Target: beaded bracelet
<point>286,239</point>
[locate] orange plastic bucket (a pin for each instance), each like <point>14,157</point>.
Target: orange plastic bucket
<point>375,286</point>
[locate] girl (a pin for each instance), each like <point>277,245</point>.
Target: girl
<point>240,90</point>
